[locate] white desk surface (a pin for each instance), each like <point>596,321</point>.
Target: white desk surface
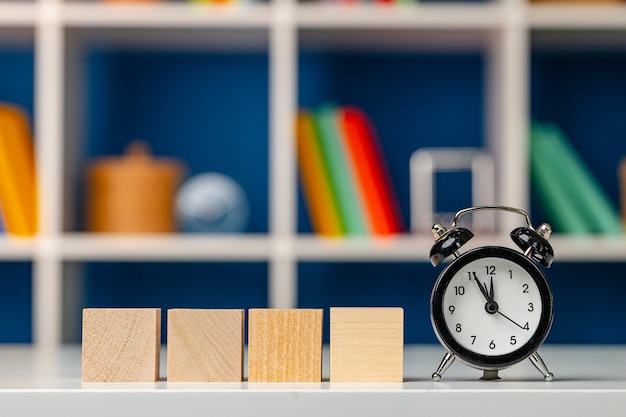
<point>589,381</point>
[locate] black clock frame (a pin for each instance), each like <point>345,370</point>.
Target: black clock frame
<point>467,356</point>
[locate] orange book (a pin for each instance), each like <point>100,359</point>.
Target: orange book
<point>18,191</point>
<point>321,202</point>
<point>373,178</point>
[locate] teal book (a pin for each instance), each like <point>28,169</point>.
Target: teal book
<point>351,209</point>
<point>575,195</point>
<point>562,212</point>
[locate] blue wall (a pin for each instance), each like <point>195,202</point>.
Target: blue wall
<point>15,302</point>
<point>211,111</point>
<point>16,86</point>
<point>585,94</point>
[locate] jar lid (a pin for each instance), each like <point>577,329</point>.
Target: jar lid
<point>137,161</point>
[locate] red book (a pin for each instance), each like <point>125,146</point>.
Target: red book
<point>373,175</point>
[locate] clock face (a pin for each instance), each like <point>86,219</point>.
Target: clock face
<point>492,307</point>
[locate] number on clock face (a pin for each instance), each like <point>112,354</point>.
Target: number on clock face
<point>492,306</point>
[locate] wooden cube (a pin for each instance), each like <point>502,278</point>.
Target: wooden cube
<point>366,344</point>
<point>205,345</point>
<point>121,344</point>
<point>285,345</point>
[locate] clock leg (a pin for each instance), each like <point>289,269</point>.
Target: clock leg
<point>541,367</point>
<point>443,366</point>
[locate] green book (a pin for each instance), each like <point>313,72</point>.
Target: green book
<point>350,208</point>
<point>567,170</point>
<point>562,212</point>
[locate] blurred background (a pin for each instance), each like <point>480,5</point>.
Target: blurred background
<point>216,206</point>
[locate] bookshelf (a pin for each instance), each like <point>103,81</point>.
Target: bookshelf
<point>503,33</point>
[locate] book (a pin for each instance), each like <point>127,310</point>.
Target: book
<point>622,182</point>
<point>563,215</point>
<point>316,183</point>
<point>372,175</point>
<point>568,189</point>
<point>341,173</point>
<point>18,190</point>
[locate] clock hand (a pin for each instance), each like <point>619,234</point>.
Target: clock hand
<point>491,290</point>
<point>491,306</point>
<point>483,291</point>
<point>509,319</point>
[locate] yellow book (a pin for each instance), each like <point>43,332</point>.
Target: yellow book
<point>316,183</point>
<point>18,191</point>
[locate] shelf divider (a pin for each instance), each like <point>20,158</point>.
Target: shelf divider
<point>49,146</point>
<point>283,178</point>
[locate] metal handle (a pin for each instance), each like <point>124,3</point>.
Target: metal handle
<point>521,212</point>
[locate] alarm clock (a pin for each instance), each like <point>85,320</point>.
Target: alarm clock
<point>492,306</point>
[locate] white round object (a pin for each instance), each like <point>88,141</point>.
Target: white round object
<point>212,203</point>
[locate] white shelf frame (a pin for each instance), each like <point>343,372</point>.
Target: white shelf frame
<point>165,15</point>
<point>577,16</point>
<point>14,14</point>
<point>502,30</point>
<point>439,16</point>
<point>85,247</point>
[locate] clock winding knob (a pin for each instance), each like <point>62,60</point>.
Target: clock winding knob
<point>448,243</point>
<point>534,244</point>
<point>544,230</point>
